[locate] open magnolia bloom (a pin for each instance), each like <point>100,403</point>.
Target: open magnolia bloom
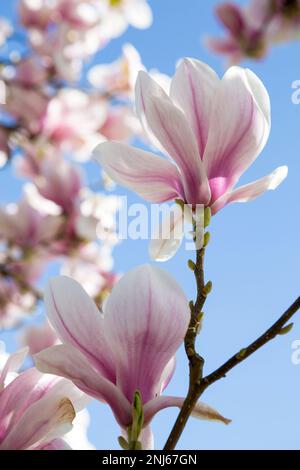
<point>128,349</point>
<point>212,129</point>
<point>35,409</point>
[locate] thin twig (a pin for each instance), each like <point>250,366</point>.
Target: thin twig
<point>196,362</point>
<point>198,384</point>
<point>271,333</point>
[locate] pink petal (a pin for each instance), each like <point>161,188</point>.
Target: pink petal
<point>56,444</point>
<point>239,129</point>
<point>66,361</point>
<point>147,315</point>
<point>49,417</point>
<point>151,177</point>
<point>192,89</point>
<point>232,18</point>
<point>21,393</point>
<point>252,190</point>
<point>170,127</point>
<point>78,321</point>
<point>201,410</point>
<point>168,374</point>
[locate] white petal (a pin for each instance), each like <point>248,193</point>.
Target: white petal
<point>251,191</point>
<point>151,177</point>
<point>147,314</point>
<point>168,236</point>
<point>78,321</point>
<point>193,88</point>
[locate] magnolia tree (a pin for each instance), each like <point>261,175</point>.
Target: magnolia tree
<point>118,347</point>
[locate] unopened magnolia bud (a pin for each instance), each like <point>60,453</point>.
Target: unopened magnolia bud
<point>206,239</point>
<point>286,329</point>
<point>191,265</point>
<point>123,443</point>
<point>242,353</point>
<point>207,288</point>
<point>207,216</point>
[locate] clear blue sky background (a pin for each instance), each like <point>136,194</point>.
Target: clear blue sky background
<point>253,259</point>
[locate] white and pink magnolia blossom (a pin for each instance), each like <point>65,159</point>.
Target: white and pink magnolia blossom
<point>72,120</point>
<point>119,76</point>
<point>212,130</point>
<point>91,267</point>
<point>96,219</point>
<point>30,73</point>
<point>36,410</point>
<point>26,227</point>
<point>36,13</point>
<point>28,106</point>
<point>39,337</point>
<point>120,14</point>
<point>128,347</point>
<point>60,184</point>
<point>121,124</point>
<point>14,304</point>
<point>246,36</point>
<point>253,28</point>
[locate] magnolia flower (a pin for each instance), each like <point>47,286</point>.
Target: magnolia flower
<point>27,105</point>
<point>253,28</point>
<point>96,281</point>
<point>118,77</point>
<point>25,226</point>
<point>14,304</point>
<point>212,129</point>
<point>35,409</point>
<point>72,119</point>
<point>60,184</point>
<point>246,33</point>
<point>37,338</point>
<point>97,217</point>
<point>30,73</point>
<point>36,13</point>
<point>129,348</point>
<point>121,124</point>
<point>121,13</point>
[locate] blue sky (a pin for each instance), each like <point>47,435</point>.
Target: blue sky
<point>253,258</point>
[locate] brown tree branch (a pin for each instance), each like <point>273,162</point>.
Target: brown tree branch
<point>275,330</point>
<point>198,384</point>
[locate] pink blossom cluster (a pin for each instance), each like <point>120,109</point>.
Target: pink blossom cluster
<point>49,125</point>
<point>253,29</point>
